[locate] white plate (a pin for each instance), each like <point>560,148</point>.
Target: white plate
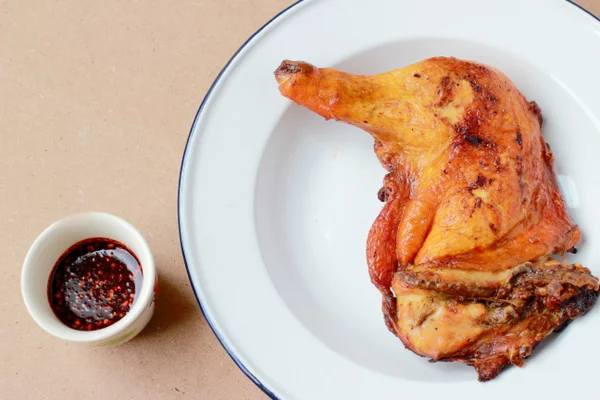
<point>275,203</point>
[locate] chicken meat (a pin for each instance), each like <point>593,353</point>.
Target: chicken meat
<point>462,251</point>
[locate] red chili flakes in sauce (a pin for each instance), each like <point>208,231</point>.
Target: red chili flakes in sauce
<point>94,283</point>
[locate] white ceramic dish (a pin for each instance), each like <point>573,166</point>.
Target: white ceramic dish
<point>276,203</point>
<point>53,242</point>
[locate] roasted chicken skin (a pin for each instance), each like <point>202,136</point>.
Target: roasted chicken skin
<point>461,249</point>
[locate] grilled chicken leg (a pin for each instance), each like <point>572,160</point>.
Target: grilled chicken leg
<point>461,249</point>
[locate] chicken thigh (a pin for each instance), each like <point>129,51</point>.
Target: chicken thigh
<point>461,251</point>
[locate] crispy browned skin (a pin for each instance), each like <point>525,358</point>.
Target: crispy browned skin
<point>460,251</point>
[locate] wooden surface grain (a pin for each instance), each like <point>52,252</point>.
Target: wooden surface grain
<point>96,101</point>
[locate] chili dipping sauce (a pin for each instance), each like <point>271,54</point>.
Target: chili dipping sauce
<point>94,284</point>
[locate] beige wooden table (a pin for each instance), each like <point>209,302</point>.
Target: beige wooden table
<point>96,101</point>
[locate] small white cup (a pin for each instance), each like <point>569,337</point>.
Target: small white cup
<point>53,242</point>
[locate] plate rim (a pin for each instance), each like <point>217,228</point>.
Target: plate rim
<point>262,386</point>
<point>215,331</point>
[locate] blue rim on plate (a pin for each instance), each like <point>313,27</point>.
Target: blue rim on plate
<point>225,345</point>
